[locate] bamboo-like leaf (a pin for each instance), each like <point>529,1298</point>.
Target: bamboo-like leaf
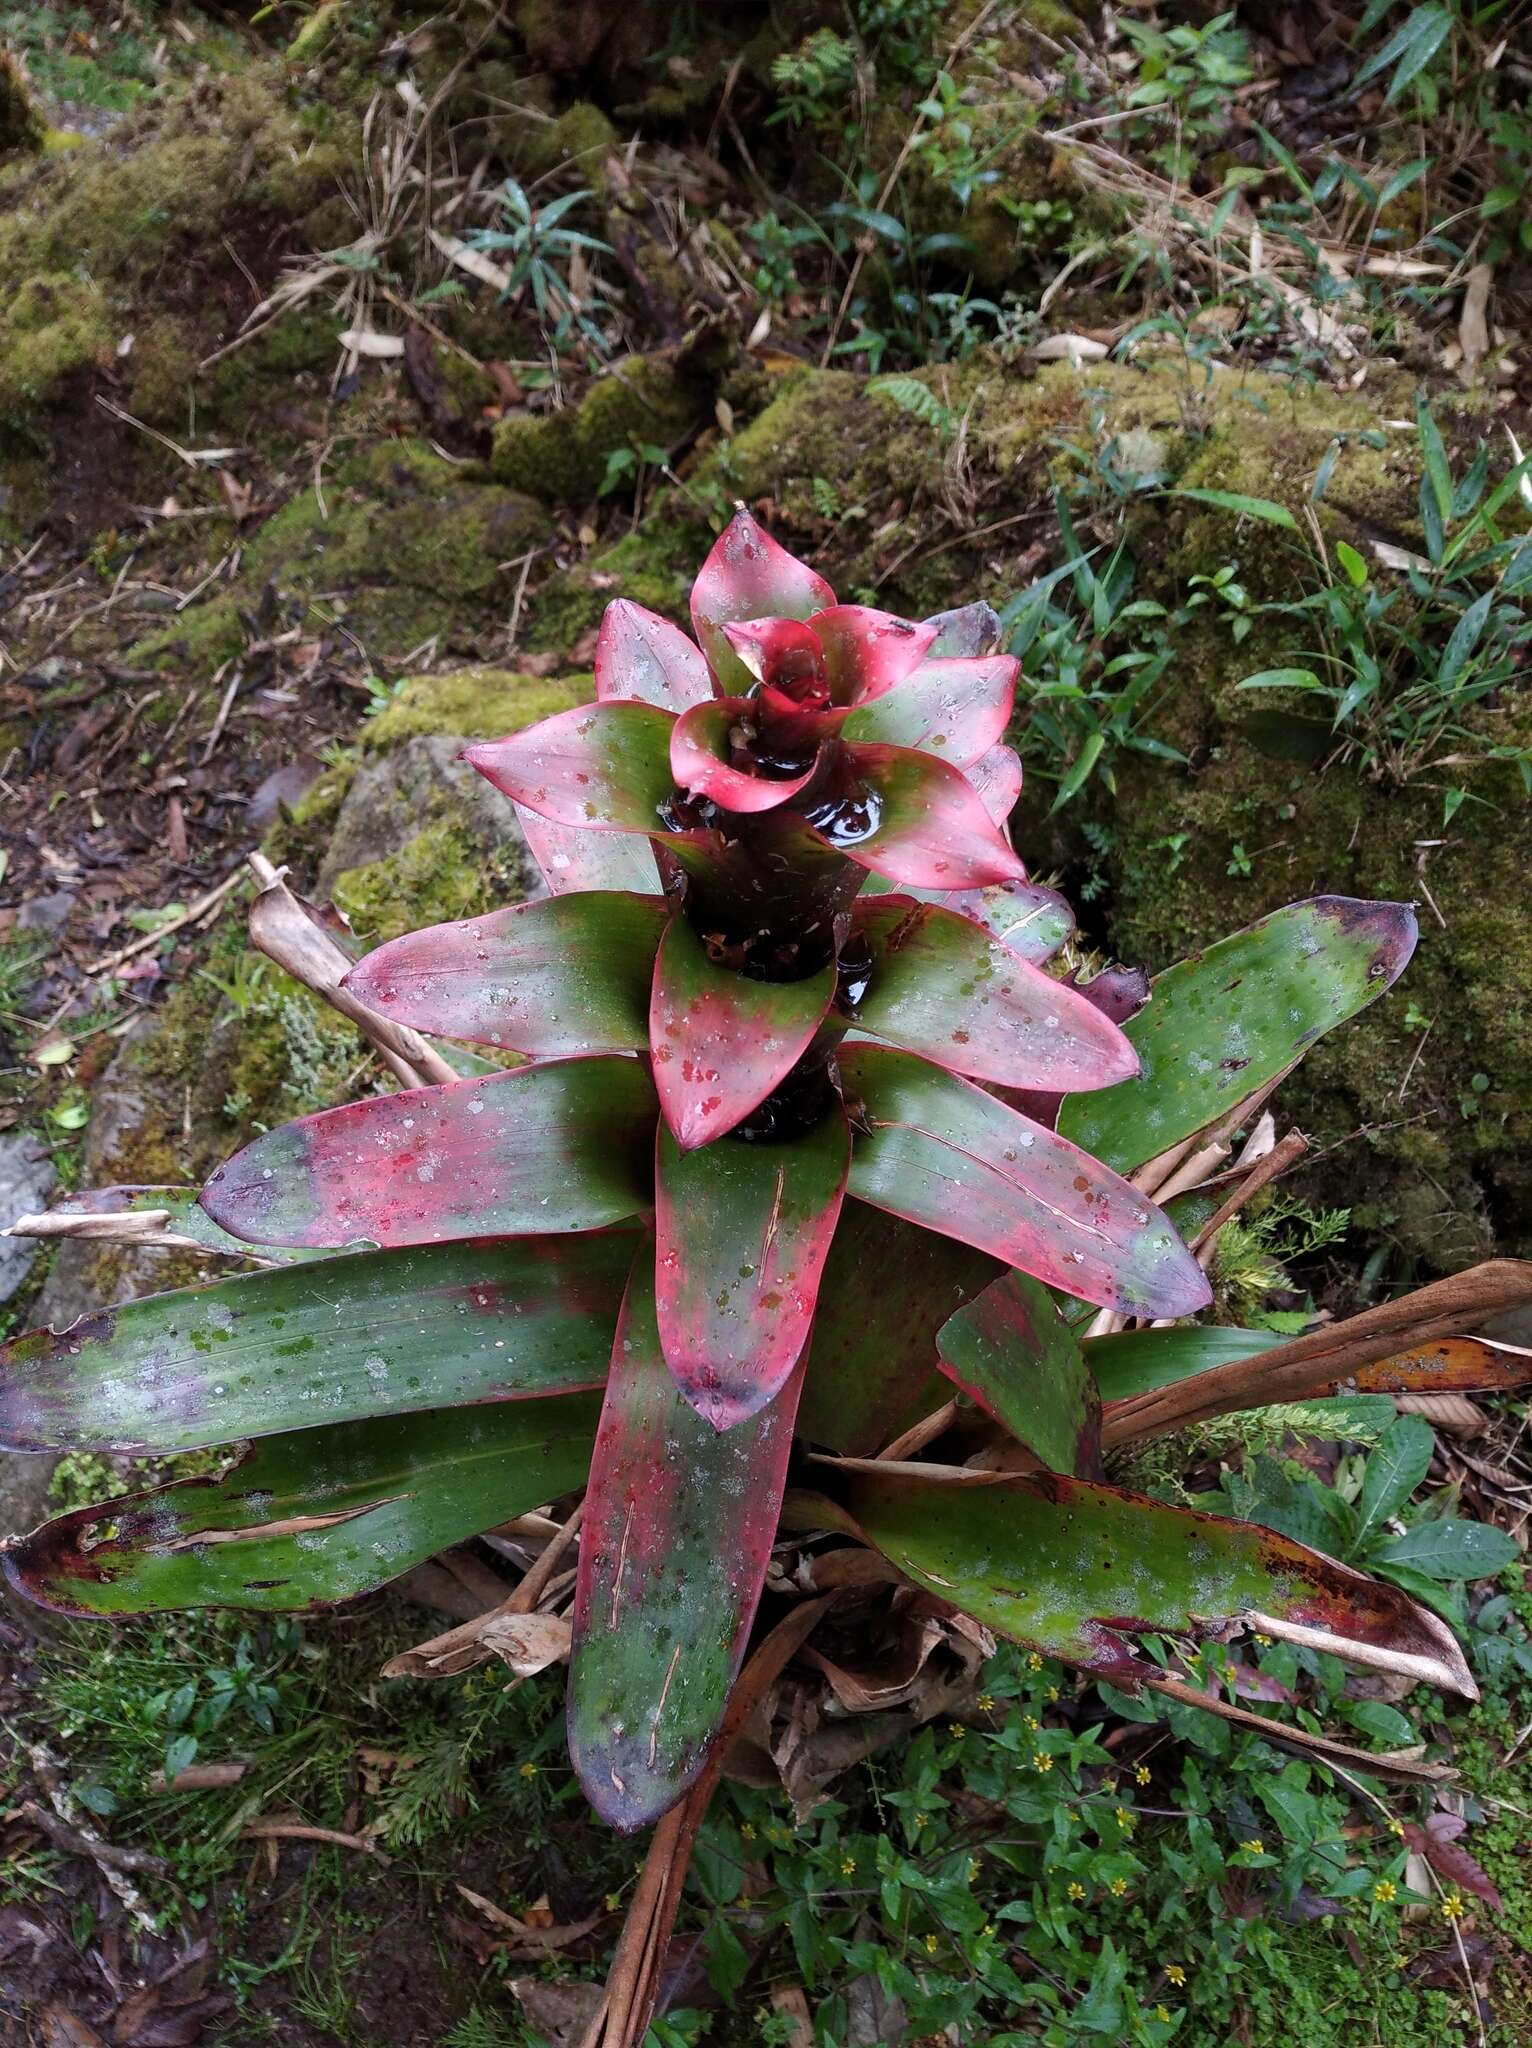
<point>957,710</point>
<point>639,654</point>
<point>1014,1353</point>
<point>941,986</point>
<point>915,820</point>
<point>1227,1021</point>
<point>559,1146</point>
<point>600,767</point>
<point>742,1233</point>
<point>1077,1570</point>
<point>679,1524</point>
<point>938,1150</point>
<point>564,975</point>
<point>338,1340</point>
<point>873,1367</point>
<point>721,1041</point>
<point>748,575</point>
<point>312,1518</point>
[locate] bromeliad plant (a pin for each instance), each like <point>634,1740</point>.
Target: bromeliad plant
<point>806,1141</point>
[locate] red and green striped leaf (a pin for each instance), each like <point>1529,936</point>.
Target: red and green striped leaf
<point>566,975</point>
<point>701,746</point>
<point>569,859</point>
<point>313,1518</point>
<point>1033,921</point>
<point>381,1333</point>
<point>941,1152</point>
<point>943,987</point>
<point>678,1528</point>
<point>640,655</point>
<point>915,820</point>
<point>1225,1022</point>
<point>742,1233</point>
<point>1012,1351</point>
<point>748,575</point>
<point>995,779</point>
<point>720,1041</point>
<point>599,767</point>
<point>873,1367</point>
<point>560,1146</point>
<point>957,710</point>
<point>1077,1571</point>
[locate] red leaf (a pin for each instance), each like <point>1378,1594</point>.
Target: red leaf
<point>743,1231</point>
<point>640,655</point>
<point>679,1524</point>
<point>544,1148</point>
<point>721,1041</point>
<point>996,780</point>
<point>869,653</point>
<point>566,975</point>
<point>602,767</point>
<point>701,745</point>
<point>915,820</point>
<point>955,709</point>
<point>748,575</point>
<point>947,1155</point>
<point>942,986</point>
<point>1449,1861</point>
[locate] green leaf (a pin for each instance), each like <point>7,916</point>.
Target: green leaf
<point>1014,1353</point>
<point>1353,564</point>
<point>1410,48</point>
<point>1080,1571</point>
<point>1235,501</point>
<point>1394,1470</point>
<point>680,1520</point>
<point>1228,1020</point>
<point>379,1333</point>
<point>1465,638</point>
<point>1438,470</point>
<point>1282,679</point>
<point>1137,1361</point>
<point>1450,1550</point>
<point>314,1517</point>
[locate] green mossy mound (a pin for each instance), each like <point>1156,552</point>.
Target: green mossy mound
<point>561,457</point>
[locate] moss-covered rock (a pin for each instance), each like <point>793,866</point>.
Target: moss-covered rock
<point>53,325</point>
<point>561,457</point>
<point>477,703</point>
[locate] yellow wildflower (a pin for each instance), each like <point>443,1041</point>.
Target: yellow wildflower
<point>747,1829</point>
<point>1162,2015</point>
<point>1453,1907</point>
<point>974,1868</point>
<point>1053,1693</point>
<point>1176,1974</point>
<point>932,1944</point>
<point>847,1865</point>
<point>1077,1892</point>
<point>985,1702</point>
<point>529,1770</point>
<point>1030,1721</point>
<point>956,1730</point>
<point>1254,1846</point>
<point>1385,1891</point>
<point>1034,1662</point>
<point>1117,1887</point>
<point>1123,1818</point>
<point>1142,1774</point>
<point>1041,1761</point>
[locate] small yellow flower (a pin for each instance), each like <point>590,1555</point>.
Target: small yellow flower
<point>847,1866</point>
<point>921,1819</point>
<point>1176,1974</point>
<point>985,1702</point>
<point>529,1770</point>
<point>1053,1694</point>
<point>1031,1721</point>
<point>747,1829</point>
<point>932,1944</point>
<point>1142,1774</point>
<point>1396,1827</point>
<point>1385,1891</point>
<point>1041,1761</point>
<point>974,1867</point>
<point>1077,1892</point>
<point>1162,2015</point>
<point>986,1932</point>
<point>1453,1907</point>
<point>1123,1818</point>
<point>1264,1641</point>
<point>956,1730</point>
<point>1034,1662</point>
<point>1254,1846</point>
<point>1117,1887</point>
<point>613,1902</point>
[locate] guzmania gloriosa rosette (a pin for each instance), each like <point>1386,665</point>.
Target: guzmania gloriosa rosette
<point>808,1142</point>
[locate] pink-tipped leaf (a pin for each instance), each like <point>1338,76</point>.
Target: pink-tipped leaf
<point>701,745</point>
<point>742,1233</point>
<point>995,779</point>
<point>560,1146</point>
<point>720,1041</point>
<point>910,817</point>
<point>748,575</point>
<point>566,975</point>
<point>943,987</point>
<point>869,653</point>
<point>943,1153</point>
<point>957,710</point>
<point>640,655</point>
<point>679,1524</point>
<point>599,767</point>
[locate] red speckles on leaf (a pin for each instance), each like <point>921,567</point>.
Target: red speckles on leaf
<point>640,655</point>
